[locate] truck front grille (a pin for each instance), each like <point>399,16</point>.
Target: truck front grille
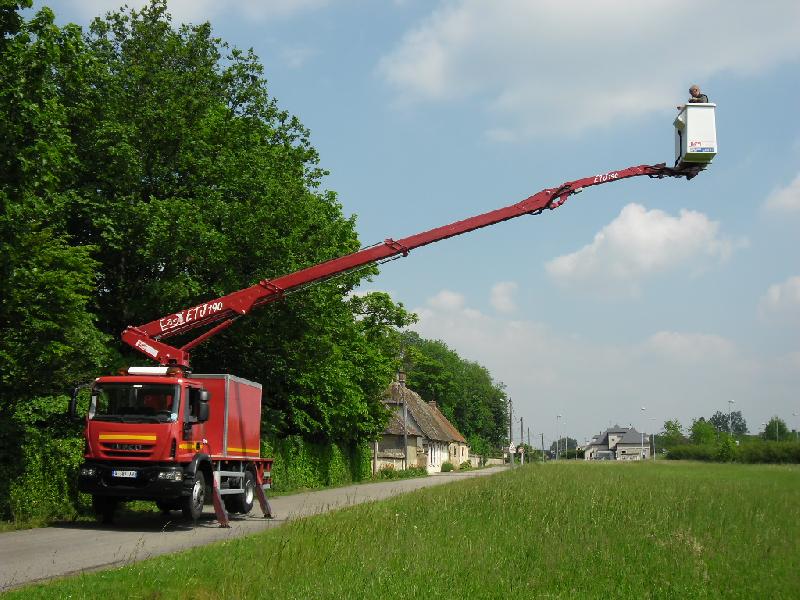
<point>118,450</point>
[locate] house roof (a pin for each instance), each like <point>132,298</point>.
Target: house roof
<point>629,435</point>
<point>633,437</point>
<point>395,424</point>
<point>449,427</point>
<point>418,411</point>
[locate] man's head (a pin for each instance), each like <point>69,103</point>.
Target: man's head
<point>694,91</point>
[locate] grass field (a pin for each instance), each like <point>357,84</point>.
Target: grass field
<point>577,530</point>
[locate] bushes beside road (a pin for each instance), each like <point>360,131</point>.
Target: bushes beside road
<point>749,451</point>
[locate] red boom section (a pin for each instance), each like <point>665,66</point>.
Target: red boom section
<point>221,312</point>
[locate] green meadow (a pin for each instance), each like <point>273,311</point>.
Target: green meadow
<point>564,530</point>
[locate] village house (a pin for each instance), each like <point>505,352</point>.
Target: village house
<point>430,436</point>
<point>457,448</point>
<point>619,443</point>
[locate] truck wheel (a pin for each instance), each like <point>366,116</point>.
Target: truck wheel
<point>192,505</point>
<point>243,503</point>
<point>104,507</point>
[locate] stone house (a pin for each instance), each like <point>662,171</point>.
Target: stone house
<point>621,443</point>
<point>457,449</point>
<point>431,437</point>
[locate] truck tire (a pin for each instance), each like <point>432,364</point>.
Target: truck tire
<point>104,507</point>
<point>192,505</point>
<point>243,503</point>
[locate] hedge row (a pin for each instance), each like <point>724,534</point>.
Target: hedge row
<point>747,452</point>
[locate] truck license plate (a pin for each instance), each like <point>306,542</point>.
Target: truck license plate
<point>129,474</point>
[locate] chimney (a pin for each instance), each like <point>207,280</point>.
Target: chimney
<point>433,404</point>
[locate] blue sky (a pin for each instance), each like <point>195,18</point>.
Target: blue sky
<point>670,295</point>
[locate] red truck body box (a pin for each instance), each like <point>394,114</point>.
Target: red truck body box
<point>234,423</point>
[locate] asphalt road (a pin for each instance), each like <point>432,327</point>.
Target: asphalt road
<point>37,554</point>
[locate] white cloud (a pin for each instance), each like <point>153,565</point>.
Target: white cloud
<point>196,11</point>
<point>297,56</point>
<point>690,347</point>
<point>782,301</point>
<point>501,296</point>
<point>674,374</point>
<point>638,243</point>
<point>447,300</point>
<point>785,200</point>
<point>556,67</point>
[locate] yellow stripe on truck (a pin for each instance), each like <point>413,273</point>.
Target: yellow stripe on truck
<point>242,450</point>
<point>127,436</point>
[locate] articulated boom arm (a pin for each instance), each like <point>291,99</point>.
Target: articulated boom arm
<point>223,311</point>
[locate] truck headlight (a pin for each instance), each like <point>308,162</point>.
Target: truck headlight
<point>88,471</point>
<point>171,475</point>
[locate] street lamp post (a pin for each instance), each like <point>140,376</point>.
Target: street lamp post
<point>794,414</point>
<point>730,418</point>
<point>654,437</point>
<point>558,434</point>
<point>643,409</point>
<point>764,425</point>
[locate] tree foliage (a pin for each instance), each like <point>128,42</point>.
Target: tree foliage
<point>571,444</point>
<point>729,422</point>
<point>776,430</point>
<point>49,337</point>
<point>702,432</point>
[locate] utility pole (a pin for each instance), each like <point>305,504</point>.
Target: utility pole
<point>558,434</point>
<point>542,446</point>
<point>653,436</point>
<point>401,379</point>
<point>529,437</point>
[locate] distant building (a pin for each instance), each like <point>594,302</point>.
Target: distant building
<point>620,443</point>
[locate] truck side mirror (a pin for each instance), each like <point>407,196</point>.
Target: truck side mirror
<point>202,411</point>
<point>73,402</point>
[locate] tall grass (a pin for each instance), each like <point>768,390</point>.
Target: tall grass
<point>664,530</point>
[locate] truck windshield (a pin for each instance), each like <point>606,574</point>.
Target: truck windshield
<point>135,402</point>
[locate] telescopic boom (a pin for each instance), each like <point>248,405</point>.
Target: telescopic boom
<point>220,313</point>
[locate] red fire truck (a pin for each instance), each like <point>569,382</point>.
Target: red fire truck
<point>165,434</point>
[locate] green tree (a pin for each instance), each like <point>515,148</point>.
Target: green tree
<point>702,432</point>
<point>672,435</point>
<point>776,430</point>
<point>725,448</point>
<point>48,335</point>
<point>730,423</point>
